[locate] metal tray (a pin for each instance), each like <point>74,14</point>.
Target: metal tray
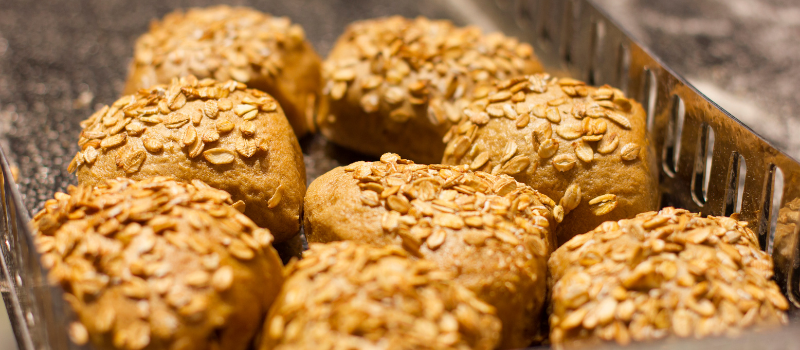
<point>710,162</point>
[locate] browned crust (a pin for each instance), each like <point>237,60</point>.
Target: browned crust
<point>386,95</point>
<point>348,294</point>
<point>333,203</point>
<point>263,167</point>
<point>158,264</point>
<point>503,264</point>
<point>662,274</point>
<point>290,71</point>
<point>486,136</point>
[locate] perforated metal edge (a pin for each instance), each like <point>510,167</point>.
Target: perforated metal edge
<point>573,38</point>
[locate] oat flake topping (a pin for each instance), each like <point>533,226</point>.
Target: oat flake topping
<point>661,274</point>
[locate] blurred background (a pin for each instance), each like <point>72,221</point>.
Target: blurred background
<point>60,59</point>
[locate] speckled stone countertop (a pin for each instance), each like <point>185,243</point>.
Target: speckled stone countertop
<point>60,59</point>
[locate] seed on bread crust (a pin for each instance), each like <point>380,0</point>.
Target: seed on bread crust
<point>570,134</point>
<point>490,230</point>
<point>146,264</point>
<point>369,296</point>
<point>157,140</point>
<point>661,274</point>
<point>266,52</point>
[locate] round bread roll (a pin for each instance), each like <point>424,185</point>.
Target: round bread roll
<point>662,274</point>
<point>230,137</point>
<point>390,82</point>
<point>158,264</point>
<point>348,295</point>
<point>492,232</point>
<point>583,146</point>
<point>265,52</point>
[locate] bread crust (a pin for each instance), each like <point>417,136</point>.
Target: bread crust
<point>254,156</point>
<point>358,296</point>
<point>233,46</point>
<point>391,83</point>
<point>501,258</point>
<point>158,264</point>
<point>555,135</point>
<point>666,274</point>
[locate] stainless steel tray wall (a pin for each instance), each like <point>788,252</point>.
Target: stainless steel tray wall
<point>36,309</point>
<point>708,161</point>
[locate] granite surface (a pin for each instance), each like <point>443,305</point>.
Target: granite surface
<point>60,59</point>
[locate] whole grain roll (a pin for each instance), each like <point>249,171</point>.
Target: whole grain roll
<point>583,146</point>
<point>662,274</point>
<point>158,264</point>
<point>348,295</point>
<point>391,83</point>
<point>233,138</point>
<point>492,232</point>
<point>221,42</point>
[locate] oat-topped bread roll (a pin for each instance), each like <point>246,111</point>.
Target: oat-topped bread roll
<point>390,82</point>
<point>585,147</point>
<point>348,295</point>
<point>265,52</point>
<point>662,274</point>
<point>158,264</point>
<point>491,231</point>
<point>232,138</point>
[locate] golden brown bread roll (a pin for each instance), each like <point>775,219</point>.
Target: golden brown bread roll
<point>390,82</point>
<point>662,274</point>
<point>585,147</point>
<point>158,264</point>
<point>491,231</point>
<point>348,295</point>
<point>230,137</point>
<point>265,52</point>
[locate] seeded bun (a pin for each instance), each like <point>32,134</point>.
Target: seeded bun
<point>348,295</point>
<point>230,137</point>
<point>390,82</point>
<point>583,146</point>
<point>265,52</point>
<point>492,232</point>
<point>665,274</point>
<point>158,264</point>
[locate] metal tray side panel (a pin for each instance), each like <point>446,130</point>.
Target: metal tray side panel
<point>35,308</point>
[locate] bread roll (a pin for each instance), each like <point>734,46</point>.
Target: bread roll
<point>158,264</point>
<point>492,232</point>
<point>220,42</point>
<point>391,83</point>
<point>662,274</point>
<point>230,137</point>
<point>583,146</point>
<point>348,295</point>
